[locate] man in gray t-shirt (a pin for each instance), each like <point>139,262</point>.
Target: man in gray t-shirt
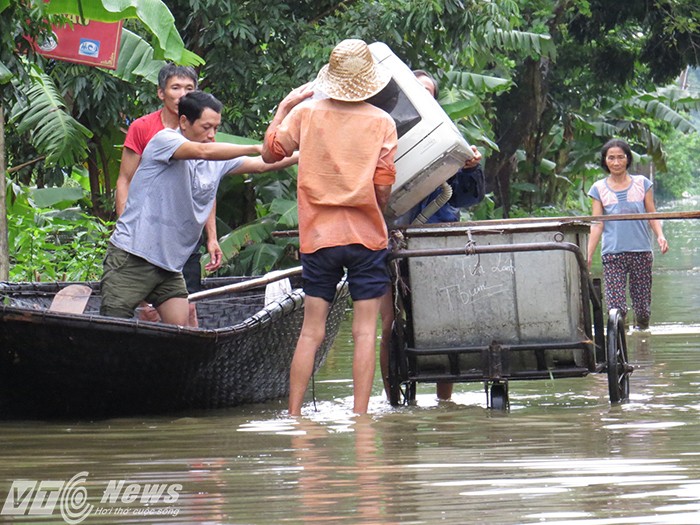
<point>168,200</point>
<point>171,196</point>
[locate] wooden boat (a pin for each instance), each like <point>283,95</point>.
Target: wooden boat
<point>56,364</point>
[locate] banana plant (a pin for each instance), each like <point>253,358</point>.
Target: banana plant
<point>136,59</point>
<point>42,114</point>
<point>40,109</point>
<point>573,145</point>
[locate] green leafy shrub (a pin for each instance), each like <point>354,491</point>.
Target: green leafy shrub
<point>50,239</point>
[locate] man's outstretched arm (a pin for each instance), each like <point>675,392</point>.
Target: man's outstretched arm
<point>214,150</point>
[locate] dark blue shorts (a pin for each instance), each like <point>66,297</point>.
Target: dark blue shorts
<point>368,277</point>
<point>192,272</point>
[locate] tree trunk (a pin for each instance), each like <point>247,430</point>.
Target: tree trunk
<point>4,244</point>
<point>519,118</point>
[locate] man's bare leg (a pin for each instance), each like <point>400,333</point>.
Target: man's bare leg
<point>175,311</point>
<point>313,330</point>
<point>364,333</point>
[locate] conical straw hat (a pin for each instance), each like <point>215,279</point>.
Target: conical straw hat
<point>351,74</point>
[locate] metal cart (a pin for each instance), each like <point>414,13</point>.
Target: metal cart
<point>498,302</point>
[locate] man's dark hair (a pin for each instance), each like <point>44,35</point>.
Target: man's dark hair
<point>423,73</point>
<point>192,105</point>
<point>615,143</point>
<point>171,70</point>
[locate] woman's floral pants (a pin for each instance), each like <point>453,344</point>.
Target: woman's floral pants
<point>636,265</point>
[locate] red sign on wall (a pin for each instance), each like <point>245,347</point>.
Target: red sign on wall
<point>92,43</point>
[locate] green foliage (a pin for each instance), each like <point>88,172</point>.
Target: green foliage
<point>5,74</point>
<point>656,106</point>
<point>602,84</point>
<point>54,133</point>
<point>682,168</point>
<point>661,35</point>
<point>278,46</point>
<point>528,43</point>
<point>286,211</point>
<point>538,85</point>
<point>51,247</point>
<point>481,83</point>
<point>17,20</point>
<point>136,60</point>
<point>483,211</point>
<point>259,259</point>
<point>70,113</point>
<point>50,238</point>
<point>98,101</point>
<point>55,197</point>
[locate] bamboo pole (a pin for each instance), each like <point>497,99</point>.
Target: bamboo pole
<point>583,219</point>
<point>670,215</point>
<point>247,285</point>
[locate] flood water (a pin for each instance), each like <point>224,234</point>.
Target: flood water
<point>561,455</point>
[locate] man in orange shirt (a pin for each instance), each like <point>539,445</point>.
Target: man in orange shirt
<point>346,169</point>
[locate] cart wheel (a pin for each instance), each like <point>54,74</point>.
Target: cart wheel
<point>618,368</point>
<point>397,364</point>
<point>498,397</point>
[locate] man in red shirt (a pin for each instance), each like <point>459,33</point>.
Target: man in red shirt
<point>346,169</point>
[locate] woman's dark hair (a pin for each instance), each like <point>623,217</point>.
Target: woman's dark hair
<point>615,143</point>
<point>193,103</point>
<point>423,73</point>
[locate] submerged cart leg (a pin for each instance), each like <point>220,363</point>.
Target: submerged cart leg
<point>398,367</point>
<point>618,367</point>
<point>394,375</point>
<point>497,395</point>
<point>598,323</point>
<point>410,391</point>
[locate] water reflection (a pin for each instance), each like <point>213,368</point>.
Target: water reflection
<point>330,487</point>
<point>562,455</point>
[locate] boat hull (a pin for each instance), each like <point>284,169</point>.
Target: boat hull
<point>63,365</point>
